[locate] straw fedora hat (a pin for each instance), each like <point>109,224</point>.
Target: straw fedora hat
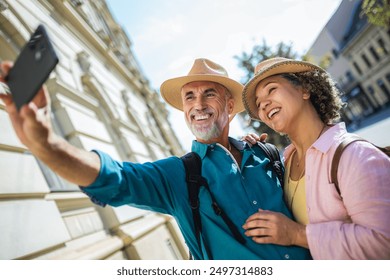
<point>202,70</point>
<point>267,68</point>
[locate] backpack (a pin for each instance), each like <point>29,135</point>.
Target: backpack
<point>337,155</point>
<point>193,167</point>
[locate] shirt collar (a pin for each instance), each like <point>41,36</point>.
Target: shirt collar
<point>330,136</point>
<point>201,148</point>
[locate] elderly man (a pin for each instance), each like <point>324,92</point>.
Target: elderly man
<point>239,178</point>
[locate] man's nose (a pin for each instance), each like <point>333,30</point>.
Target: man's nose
<point>200,103</point>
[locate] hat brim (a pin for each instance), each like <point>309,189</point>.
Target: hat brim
<point>171,90</point>
<point>286,66</point>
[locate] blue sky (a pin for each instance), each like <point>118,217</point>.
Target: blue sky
<point>168,35</point>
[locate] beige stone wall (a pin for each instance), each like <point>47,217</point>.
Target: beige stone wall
<point>100,100</point>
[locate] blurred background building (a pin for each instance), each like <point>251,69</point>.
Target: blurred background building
<point>102,100</point>
<point>356,53</point>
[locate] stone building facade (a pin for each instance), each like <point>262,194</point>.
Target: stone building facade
<point>100,100</point>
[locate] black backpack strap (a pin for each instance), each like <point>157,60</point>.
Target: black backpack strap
<point>273,154</point>
<point>218,210</point>
<point>193,167</point>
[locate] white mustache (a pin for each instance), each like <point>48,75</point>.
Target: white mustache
<point>201,114</point>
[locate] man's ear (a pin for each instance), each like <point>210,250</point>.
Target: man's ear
<point>230,105</point>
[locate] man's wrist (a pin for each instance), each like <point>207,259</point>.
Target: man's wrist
<point>47,147</point>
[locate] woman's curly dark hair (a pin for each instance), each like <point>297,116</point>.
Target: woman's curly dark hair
<point>324,95</point>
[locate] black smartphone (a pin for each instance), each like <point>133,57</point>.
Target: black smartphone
<point>32,67</point>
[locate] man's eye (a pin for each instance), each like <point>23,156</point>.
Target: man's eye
<point>189,97</point>
<point>271,90</point>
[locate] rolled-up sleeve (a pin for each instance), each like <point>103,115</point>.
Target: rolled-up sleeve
<point>106,185</point>
<point>146,186</point>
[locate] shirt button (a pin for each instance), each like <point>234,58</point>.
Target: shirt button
<point>254,202</point>
<point>286,256</point>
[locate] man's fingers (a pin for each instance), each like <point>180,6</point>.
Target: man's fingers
<point>5,66</point>
<point>29,111</point>
<point>42,98</point>
<point>9,103</point>
<point>6,98</point>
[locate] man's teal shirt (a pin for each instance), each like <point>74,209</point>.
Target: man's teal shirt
<point>240,191</point>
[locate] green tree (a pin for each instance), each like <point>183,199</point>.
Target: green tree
<point>377,11</point>
<point>247,62</point>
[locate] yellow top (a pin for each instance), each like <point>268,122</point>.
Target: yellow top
<point>295,193</point>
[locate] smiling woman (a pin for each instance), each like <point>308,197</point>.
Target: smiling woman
<point>300,99</point>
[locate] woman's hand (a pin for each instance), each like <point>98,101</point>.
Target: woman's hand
<point>252,138</point>
<point>273,227</point>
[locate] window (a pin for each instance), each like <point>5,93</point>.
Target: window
<point>349,76</point>
<point>375,102</point>
<point>384,88</point>
<point>357,68</point>
<point>365,59</point>
<point>374,53</point>
<point>381,43</point>
<point>371,90</point>
<point>77,2</point>
<point>335,53</point>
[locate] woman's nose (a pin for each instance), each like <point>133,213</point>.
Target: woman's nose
<point>264,104</point>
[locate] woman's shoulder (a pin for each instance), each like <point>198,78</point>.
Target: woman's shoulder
<point>353,151</point>
<point>355,145</point>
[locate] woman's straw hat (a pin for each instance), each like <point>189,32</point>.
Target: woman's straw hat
<point>267,68</point>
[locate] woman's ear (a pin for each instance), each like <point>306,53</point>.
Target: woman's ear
<point>306,95</point>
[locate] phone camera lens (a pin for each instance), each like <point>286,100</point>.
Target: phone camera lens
<point>38,55</point>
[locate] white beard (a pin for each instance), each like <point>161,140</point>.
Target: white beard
<point>209,131</point>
